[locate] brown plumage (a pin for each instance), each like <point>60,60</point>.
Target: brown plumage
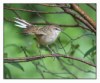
<point>45,35</point>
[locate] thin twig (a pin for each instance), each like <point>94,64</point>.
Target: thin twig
<point>38,14</point>
<point>27,59</point>
<point>83,14</point>
<point>91,7</point>
<point>33,11</point>
<point>66,69</point>
<point>14,11</point>
<point>62,25</point>
<point>51,5</point>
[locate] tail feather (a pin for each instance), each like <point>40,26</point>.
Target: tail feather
<point>21,23</point>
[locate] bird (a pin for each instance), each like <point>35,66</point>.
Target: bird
<point>45,35</point>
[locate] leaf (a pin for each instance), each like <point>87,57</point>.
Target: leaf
<point>89,51</point>
<point>17,65</point>
<point>7,73</point>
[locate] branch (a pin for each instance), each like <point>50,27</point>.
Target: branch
<point>33,11</point>
<point>91,7</point>
<point>84,14</point>
<point>75,15</point>
<point>51,5</point>
<point>62,25</point>
<point>27,59</point>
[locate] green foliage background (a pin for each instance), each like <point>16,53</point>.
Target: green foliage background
<point>48,67</point>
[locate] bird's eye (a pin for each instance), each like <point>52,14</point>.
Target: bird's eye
<point>57,29</point>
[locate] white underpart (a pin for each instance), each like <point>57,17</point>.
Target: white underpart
<point>52,38</point>
<point>55,34</point>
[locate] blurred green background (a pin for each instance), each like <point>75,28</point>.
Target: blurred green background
<point>76,43</point>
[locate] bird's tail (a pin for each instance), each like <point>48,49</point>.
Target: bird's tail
<point>21,23</point>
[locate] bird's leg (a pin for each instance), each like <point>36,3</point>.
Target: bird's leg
<point>39,49</point>
<point>38,45</point>
<point>52,52</point>
<point>50,49</point>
